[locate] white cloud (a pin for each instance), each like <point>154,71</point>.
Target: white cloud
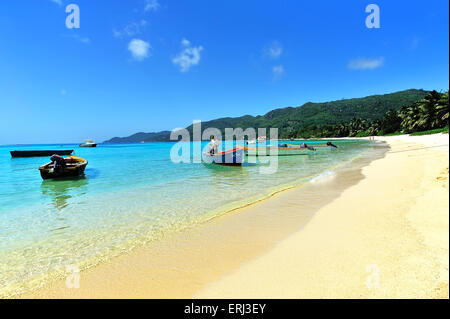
<point>185,42</point>
<point>130,29</point>
<point>84,40</point>
<point>59,2</point>
<point>274,50</point>
<point>139,49</point>
<point>365,63</point>
<point>188,57</point>
<point>151,5</point>
<point>278,72</point>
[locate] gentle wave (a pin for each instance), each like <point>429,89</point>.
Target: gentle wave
<point>132,194</point>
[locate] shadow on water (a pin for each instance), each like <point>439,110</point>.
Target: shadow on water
<point>91,173</point>
<point>230,175</point>
<point>59,190</point>
<point>247,164</point>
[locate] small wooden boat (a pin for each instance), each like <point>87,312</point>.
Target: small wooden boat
<point>88,143</point>
<point>40,153</point>
<point>75,166</point>
<point>233,157</point>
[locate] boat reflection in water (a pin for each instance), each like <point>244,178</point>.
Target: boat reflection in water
<point>227,175</point>
<point>62,190</point>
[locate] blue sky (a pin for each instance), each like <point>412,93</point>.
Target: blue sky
<point>147,65</point>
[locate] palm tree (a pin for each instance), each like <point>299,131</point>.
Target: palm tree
<point>427,111</point>
<point>409,116</point>
<point>391,122</point>
<point>356,126</point>
<point>342,130</point>
<point>375,127</point>
<point>442,110</point>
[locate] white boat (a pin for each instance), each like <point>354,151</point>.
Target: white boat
<point>88,143</point>
<point>262,138</point>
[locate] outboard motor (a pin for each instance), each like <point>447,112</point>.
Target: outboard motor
<point>59,163</point>
<point>331,144</point>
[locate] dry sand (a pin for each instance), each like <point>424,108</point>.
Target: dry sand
<point>382,236</point>
<point>387,237</point>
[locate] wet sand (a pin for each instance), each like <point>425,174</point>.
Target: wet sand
<point>179,265</point>
<point>369,231</point>
<point>386,237</point>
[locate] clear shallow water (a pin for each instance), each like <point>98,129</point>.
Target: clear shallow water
<point>130,194</point>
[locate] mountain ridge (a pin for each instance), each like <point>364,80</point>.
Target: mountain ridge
<point>291,119</point>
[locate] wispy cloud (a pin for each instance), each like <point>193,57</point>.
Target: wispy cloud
<point>365,63</point>
<point>188,57</point>
<point>79,38</point>
<point>151,5</point>
<point>278,72</point>
<point>58,2</point>
<point>139,49</point>
<point>130,29</point>
<point>84,40</point>
<point>63,92</point>
<point>273,51</point>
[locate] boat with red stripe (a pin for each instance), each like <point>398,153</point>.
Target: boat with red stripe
<point>233,157</point>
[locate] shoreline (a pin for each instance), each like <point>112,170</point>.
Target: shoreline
<point>197,262</point>
<point>395,247</point>
<point>233,238</point>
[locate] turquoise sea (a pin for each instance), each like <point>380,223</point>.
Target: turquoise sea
<point>130,194</point>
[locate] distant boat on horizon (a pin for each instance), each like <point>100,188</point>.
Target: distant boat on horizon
<point>262,138</point>
<point>88,143</point>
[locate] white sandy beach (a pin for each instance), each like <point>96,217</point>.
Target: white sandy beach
<point>387,236</point>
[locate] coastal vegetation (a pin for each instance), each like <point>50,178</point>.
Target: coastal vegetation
<point>428,115</point>
<point>315,119</point>
<point>141,136</point>
<point>406,111</point>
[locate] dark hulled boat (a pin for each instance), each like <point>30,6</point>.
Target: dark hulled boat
<point>74,166</point>
<point>40,153</point>
<point>233,157</point>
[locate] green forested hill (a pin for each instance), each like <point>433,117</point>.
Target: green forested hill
<point>290,120</point>
<point>139,137</point>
